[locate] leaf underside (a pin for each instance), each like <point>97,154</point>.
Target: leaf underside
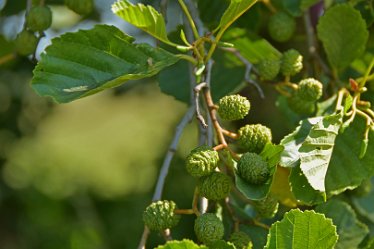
<point>79,64</point>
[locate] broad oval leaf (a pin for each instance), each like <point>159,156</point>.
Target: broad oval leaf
<point>233,12</point>
<point>143,17</point>
<point>271,154</point>
<point>299,229</point>
<point>343,33</point>
<point>316,151</point>
<point>364,205</point>
<point>79,64</point>
<point>184,244</point>
<point>350,230</point>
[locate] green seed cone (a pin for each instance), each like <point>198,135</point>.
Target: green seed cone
<point>233,107</point>
<point>281,26</point>
<point>292,62</point>
<point>268,68</point>
<point>241,240</point>
<point>39,18</point>
<point>201,161</point>
<point>82,7</point>
<point>267,207</point>
<point>208,228</point>
<point>160,215</point>
<point>253,138</point>
<point>253,169</point>
<point>310,89</point>
<point>215,186</point>
<point>26,43</point>
<point>301,106</point>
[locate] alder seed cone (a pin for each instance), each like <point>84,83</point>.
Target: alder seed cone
<point>201,161</point>
<point>208,228</point>
<point>39,18</point>
<point>267,207</point>
<point>268,68</point>
<point>310,89</point>
<point>301,106</point>
<point>26,43</point>
<point>241,240</point>
<point>253,138</point>
<point>82,7</point>
<point>292,62</point>
<point>215,186</point>
<point>253,169</point>
<point>281,26</point>
<point>233,107</point>
<point>160,215</point>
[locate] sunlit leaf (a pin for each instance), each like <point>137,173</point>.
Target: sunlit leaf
<point>300,229</point>
<point>144,17</point>
<point>79,64</point>
<point>184,244</point>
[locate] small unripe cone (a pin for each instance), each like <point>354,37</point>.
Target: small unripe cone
<point>292,62</point>
<point>82,7</point>
<point>301,106</point>
<point>268,68</point>
<point>208,228</point>
<point>253,169</point>
<point>253,138</point>
<point>310,89</point>
<point>26,43</point>
<point>215,186</point>
<point>233,107</point>
<point>39,18</point>
<point>160,215</point>
<point>281,26</point>
<point>267,207</point>
<point>201,161</point>
<point>241,240</point>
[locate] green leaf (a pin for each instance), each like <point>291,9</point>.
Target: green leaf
<point>210,12</point>
<point>175,81</point>
<point>251,47</point>
<point>79,64</point>
<point>346,170</point>
<point>297,7</point>
<point>233,12</point>
<point>184,244</point>
<point>350,230</point>
<point>144,17</point>
<point>316,151</point>
<point>302,190</point>
<point>300,229</point>
<point>271,154</point>
<point>257,235</point>
<point>343,33</point>
<point>290,157</point>
<point>364,205</point>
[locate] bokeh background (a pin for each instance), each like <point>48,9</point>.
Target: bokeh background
<point>79,175</point>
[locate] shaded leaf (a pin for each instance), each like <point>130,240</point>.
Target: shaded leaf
<point>257,235</point>
<point>350,230</point>
<point>271,154</point>
<point>211,11</point>
<point>280,189</point>
<point>316,151</point>
<point>143,17</point>
<point>300,229</point>
<point>79,64</point>
<point>233,12</point>
<point>343,33</point>
<point>364,205</point>
<point>297,7</point>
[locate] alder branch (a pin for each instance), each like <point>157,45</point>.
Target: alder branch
<point>248,69</point>
<point>197,90</point>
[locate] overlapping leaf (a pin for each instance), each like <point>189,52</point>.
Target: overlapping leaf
<point>184,244</point>
<point>316,151</point>
<point>300,229</point>
<point>144,17</point>
<point>88,61</point>
<point>364,205</point>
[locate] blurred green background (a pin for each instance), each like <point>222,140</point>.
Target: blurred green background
<point>79,175</point>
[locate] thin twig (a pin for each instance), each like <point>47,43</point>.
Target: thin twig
<point>6,58</point>
<point>144,238</point>
<point>208,78</point>
<point>197,90</point>
<point>195,16</point>
<point>248,69</point>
